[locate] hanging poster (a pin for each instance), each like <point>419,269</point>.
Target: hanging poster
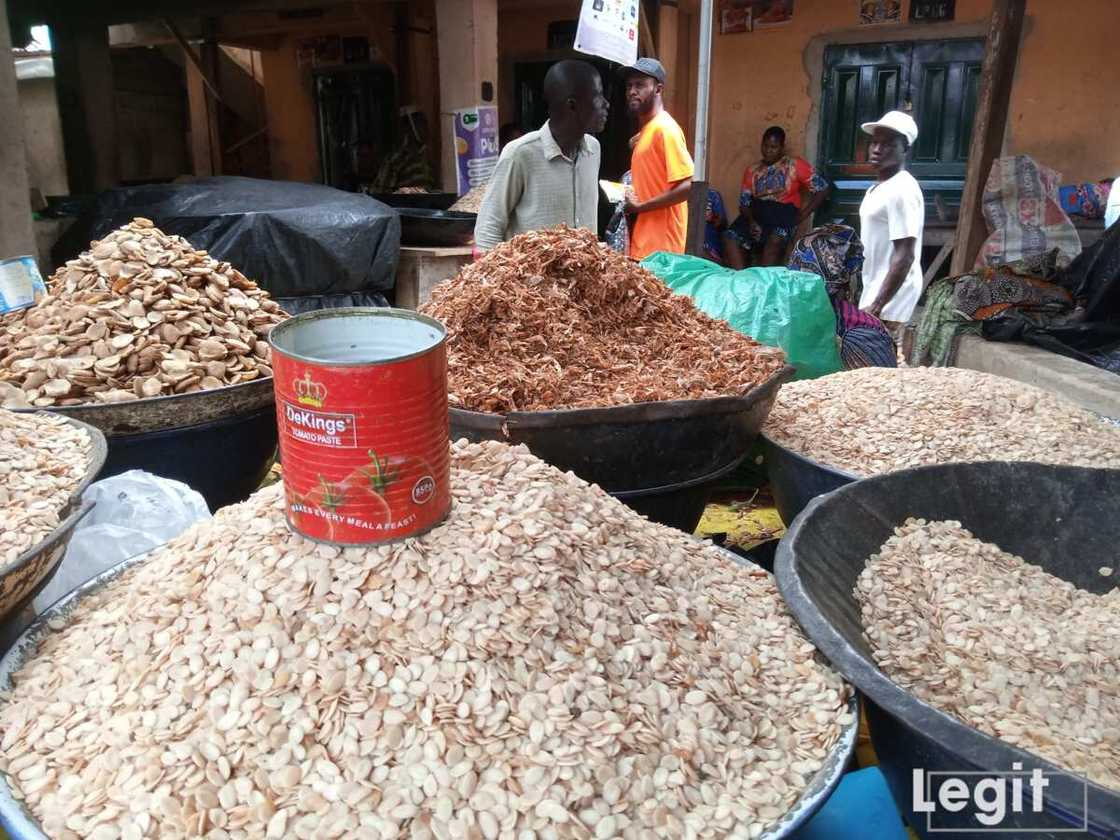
<point>749,15</point>
<point>880,11</point>
<point>609,29</point>
<point>766,13</point>
<point>932,11</point>
<point>734,16</point>
<point>476,146</point>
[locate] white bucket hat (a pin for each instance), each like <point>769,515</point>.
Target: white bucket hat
<point>896,121</point>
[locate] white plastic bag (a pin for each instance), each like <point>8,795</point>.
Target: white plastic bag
<point>133,512</point>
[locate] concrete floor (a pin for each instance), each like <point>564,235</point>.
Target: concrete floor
<point>1090,387</point>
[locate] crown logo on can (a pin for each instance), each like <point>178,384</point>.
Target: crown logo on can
<point>310,393</point>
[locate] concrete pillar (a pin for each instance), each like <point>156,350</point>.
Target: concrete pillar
<point>16,235</point>
<point>467,34</point>
<point>86,106</point>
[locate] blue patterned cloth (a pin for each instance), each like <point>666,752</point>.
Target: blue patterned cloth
<point>835,254</point>
<point>715,223</point>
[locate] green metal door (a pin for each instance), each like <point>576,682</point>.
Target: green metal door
<point>937,81</point>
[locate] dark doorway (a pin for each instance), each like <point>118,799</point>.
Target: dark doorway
<point>356,120</point>
<point>936,81</point>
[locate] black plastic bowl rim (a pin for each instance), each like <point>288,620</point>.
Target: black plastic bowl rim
<point>809,463</point>
<point>869,680</point>
<point>641,412</point>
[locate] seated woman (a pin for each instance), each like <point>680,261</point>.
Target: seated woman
<point>835,253</point>
<point>770,204</point>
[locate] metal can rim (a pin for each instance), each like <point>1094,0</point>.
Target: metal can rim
<point>352,311</point>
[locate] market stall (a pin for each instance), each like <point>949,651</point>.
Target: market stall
<point>411,637</point>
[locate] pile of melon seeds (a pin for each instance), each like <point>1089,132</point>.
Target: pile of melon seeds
<point>545,664</point>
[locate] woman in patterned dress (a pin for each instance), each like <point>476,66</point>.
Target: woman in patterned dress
<point>771,205</point>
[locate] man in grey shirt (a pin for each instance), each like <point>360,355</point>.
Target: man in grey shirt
<point>550,176</point>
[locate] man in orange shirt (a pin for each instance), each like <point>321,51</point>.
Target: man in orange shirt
<point>661,166</point>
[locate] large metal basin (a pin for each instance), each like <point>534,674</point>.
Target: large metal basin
<point>1064,519</point>
<point>33,569</point>
<point>20,825</point>
<point>158,414</point>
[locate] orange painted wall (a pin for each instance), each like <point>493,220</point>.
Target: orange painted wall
<point>1064,108</point>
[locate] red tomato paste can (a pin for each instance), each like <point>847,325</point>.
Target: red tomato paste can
<point>361,402</point>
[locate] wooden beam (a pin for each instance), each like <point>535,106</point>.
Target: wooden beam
<point>645,34</point>
<point>201,162</point>
<point>130,11</point>
<point>996,77</point>
<point>668,49</point>
<point>467,45</point>
<point>206,137</point>
<point>86,105</point>
<point>938,261</point>
<point>192,58</point>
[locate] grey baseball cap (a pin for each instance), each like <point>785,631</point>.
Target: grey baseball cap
<point>647,67</point>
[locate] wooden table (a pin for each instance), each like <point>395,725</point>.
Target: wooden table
<point>420,268</point>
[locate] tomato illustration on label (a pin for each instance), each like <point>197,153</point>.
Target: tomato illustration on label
<point>326,495</point>
<point>366,502</point>
<point>398,478</point>
<point>329,497</point>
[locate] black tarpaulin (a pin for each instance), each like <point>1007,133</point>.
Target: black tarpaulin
<point>294,239</point>
<point>1091,333</point>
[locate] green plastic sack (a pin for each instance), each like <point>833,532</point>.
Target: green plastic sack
<point>774,306</point>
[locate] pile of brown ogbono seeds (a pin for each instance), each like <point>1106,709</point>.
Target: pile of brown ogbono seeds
<point>141,314</point>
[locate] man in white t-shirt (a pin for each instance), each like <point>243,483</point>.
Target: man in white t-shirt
<point>1112,211</point>
<point>891,220</point>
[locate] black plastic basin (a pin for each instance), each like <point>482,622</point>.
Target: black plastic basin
<point>436,228</point>
<point>796,480</point>
<point>1064,519</point>
<point>224,460</point>
<point>660,458</point>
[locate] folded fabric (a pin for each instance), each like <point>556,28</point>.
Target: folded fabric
<point>1024,214</point>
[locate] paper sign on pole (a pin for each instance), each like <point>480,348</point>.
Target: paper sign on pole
<point>609,29</point>
<point>476,145</point>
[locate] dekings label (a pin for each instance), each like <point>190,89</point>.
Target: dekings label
<point>322,428</point>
